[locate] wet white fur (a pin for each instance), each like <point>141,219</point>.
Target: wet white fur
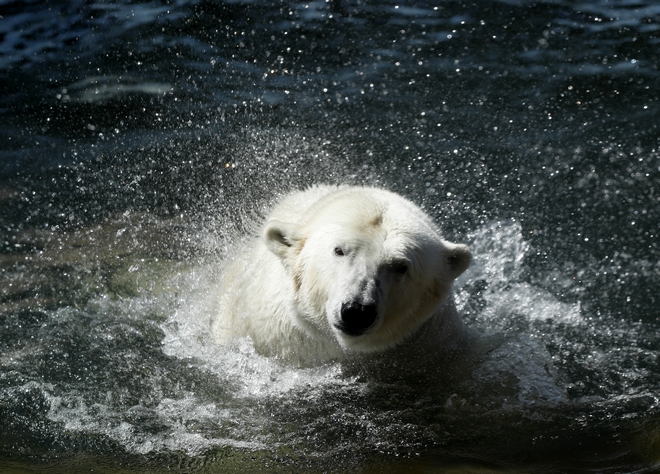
<point>285,289</point>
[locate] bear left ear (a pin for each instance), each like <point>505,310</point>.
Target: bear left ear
<point>458,258</point>
<point>280,238</point>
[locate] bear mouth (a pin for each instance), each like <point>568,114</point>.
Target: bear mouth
<point>357,318</point>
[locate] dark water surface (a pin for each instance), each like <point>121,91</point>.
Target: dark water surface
<point>140,139</point>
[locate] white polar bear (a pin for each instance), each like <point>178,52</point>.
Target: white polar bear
<point>340,271</point>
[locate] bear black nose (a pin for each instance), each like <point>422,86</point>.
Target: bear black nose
<point>356,318</point>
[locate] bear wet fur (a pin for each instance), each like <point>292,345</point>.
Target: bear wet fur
<point>342,273</point>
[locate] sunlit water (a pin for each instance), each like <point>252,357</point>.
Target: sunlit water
<point>142,142</point>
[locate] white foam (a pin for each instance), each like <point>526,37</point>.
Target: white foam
<point>498,255</point>
<point>177,415</point>
<point>499,250</point>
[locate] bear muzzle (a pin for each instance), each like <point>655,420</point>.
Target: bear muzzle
<point>357,318</point>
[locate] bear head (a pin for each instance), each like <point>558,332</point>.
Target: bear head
<point>367,267</point>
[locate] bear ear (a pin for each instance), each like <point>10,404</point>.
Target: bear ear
<point>280,237</point>
<point>458,258</point>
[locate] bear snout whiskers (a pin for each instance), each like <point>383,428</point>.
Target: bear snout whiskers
<point>357,318</point>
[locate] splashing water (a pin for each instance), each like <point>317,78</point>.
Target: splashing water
<point>138,140</point>
<point>143,373</point>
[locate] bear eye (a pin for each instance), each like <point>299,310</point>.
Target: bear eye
<point>398,266</point>
<point>339,252</point>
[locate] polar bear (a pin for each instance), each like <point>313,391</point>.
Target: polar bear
<point>343,271</point>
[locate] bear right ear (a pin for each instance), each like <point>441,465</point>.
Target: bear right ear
<point>280,238</point>
<point>457,258</point>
